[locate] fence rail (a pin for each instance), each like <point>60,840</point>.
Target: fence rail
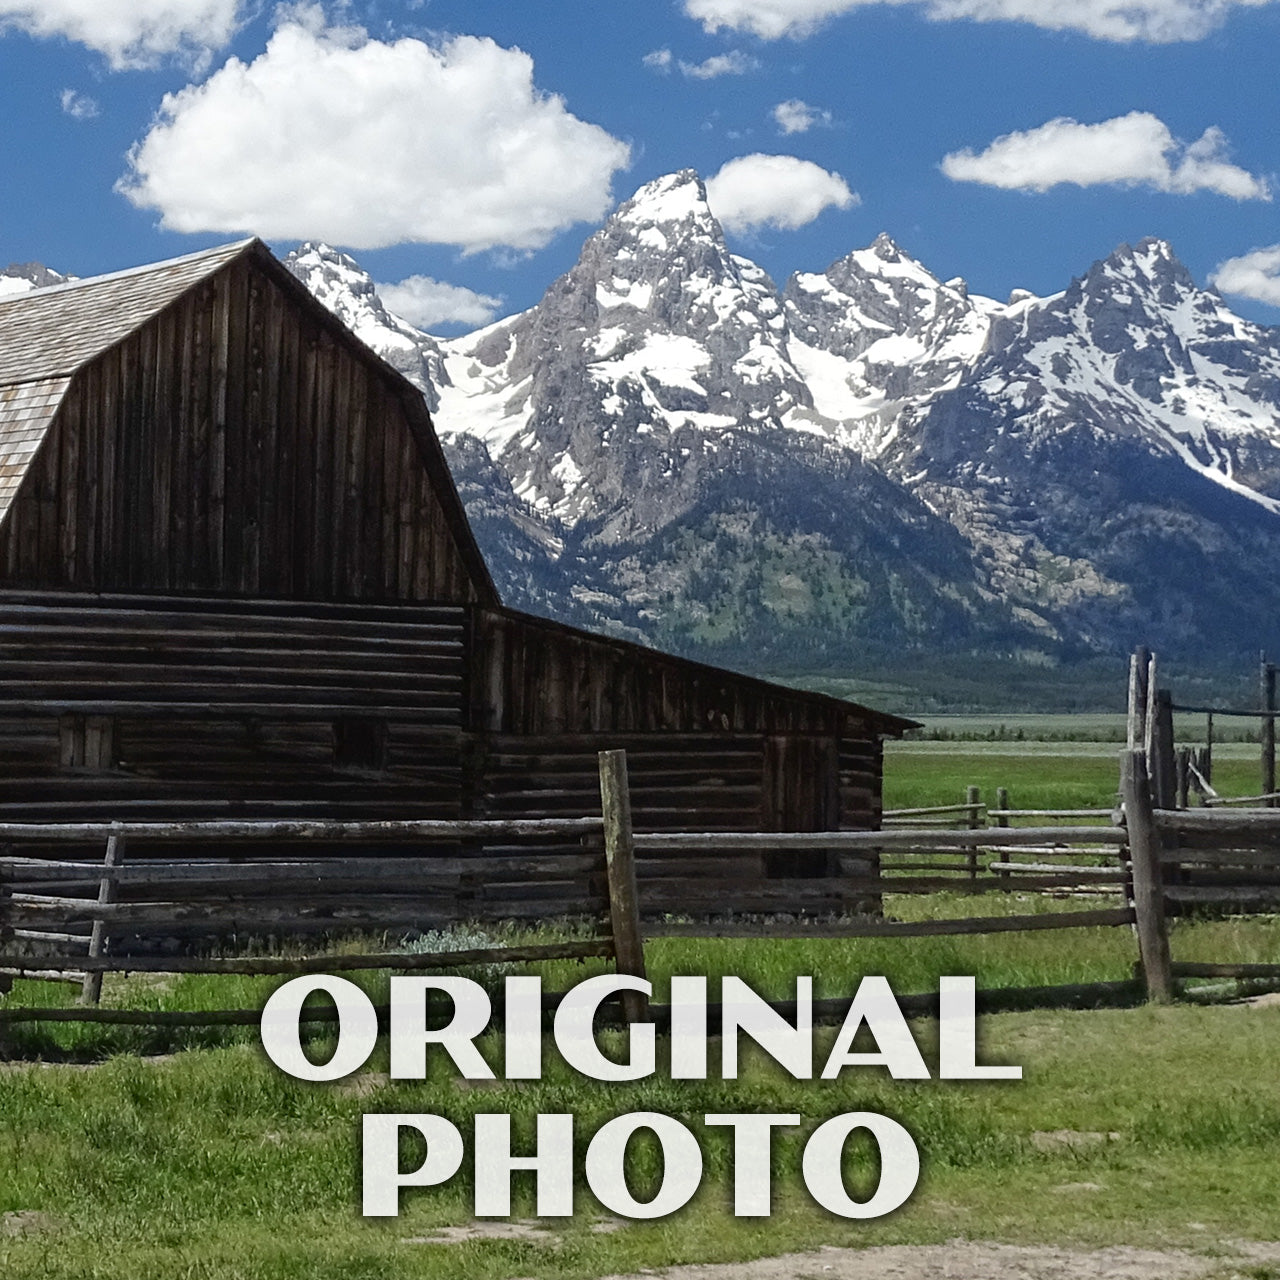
<point>627,884</point>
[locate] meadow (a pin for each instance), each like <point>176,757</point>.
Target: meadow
<point>186,1154</point>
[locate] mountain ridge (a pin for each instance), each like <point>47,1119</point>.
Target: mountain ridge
<point>867,462</point>
<point>1045,477</point>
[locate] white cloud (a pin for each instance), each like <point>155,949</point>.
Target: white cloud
<point>425,302</point>
<point>78,106</point>
<point>128,33</point>
<point>1156,21</point>
<point>658,60</point>
<point>329,135</point>
<point>774,191</point>
<point>794,116</point>
<point>1133,150</point>
<point>1254,275</point>
<point>735,63</point>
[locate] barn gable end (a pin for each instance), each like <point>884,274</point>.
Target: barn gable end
<point>212,430</point>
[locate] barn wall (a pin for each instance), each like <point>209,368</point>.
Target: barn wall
<point>235,444</point>
<point>706,749</point>
<point>123,707</point>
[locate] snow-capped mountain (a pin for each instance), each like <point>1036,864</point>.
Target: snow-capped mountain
<point>349,292</point>
<point>870,457</point>
<point>608,396</point>
<point>22,277</point>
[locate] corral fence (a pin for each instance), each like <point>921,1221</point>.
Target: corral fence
<point>68,916</point>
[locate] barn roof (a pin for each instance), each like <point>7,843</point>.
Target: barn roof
<point>51,332</point>
<point>47,334</point>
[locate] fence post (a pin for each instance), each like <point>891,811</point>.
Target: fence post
<point>1148,887</point>
<point>91,990</point>
<point>6,924</point>
<point>1002,802</point>
<point>1267,736</point>
<point>1161,765</point>
<point>620,857</point>
<point>1138,697</point>
<point>1183,761</point>
<point>973,798</point>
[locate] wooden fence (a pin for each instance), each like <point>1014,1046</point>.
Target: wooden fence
<point>626,884</point>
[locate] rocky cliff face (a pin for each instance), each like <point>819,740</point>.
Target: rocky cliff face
<point>870,459</point>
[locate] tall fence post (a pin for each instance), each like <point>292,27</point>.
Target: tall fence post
<point>620,857</point>
<point>6,924</point>
<point>1002,802</point>
<point>1148,887</point>
<point>1267,736</point>
<point>973,798</point>
<point>1183,761</point>
<point>91,990</point>
<point>1137,719</point>
<point>1161,762</point>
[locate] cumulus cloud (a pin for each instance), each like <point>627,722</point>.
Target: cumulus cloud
<point>774,191</point>
<point>1133,150</point>
<point>659,60</point>
<point>794,116</point>
<point>1254,275</point>
<point>78,106</point>
<point>425,302</point>
<point>1155,21</point>
<point>128,33</point>
<point>329,135</point>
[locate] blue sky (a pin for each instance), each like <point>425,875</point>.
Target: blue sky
<point>476,144</point>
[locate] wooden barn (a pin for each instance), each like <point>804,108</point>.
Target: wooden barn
<point>236,579</point>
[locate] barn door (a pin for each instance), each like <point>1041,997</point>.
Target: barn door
<point>801,793</point>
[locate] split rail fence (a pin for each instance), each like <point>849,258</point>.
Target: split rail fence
<point>74,917</point>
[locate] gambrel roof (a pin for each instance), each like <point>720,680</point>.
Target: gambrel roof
<point>47,334</point>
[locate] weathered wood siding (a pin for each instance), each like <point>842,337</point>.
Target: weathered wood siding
<point>219,708</point>
<point>706,749</point>
<point>238,443</point>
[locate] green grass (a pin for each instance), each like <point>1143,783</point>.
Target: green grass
<point>1039,774</point>
<point>213,1165</point>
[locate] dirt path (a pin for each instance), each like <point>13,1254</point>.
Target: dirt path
<point>975,1260</point>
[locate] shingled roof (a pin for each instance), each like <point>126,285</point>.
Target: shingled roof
<point>47,334</point>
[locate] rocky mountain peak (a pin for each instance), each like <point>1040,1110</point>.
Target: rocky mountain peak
<point>677,201</point>
<point>22,277</point>
<point>338,281</point>
<point>886,248</point>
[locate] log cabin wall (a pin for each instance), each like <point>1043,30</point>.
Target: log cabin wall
<point>240,443</point>
<point>115,707</point>
<point>706,749</point>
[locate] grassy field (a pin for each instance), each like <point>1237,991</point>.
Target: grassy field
<point>211,1163</point>
<point>1039,774</point>
<point>1142,1125</point>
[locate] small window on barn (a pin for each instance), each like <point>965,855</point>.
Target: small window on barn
<point>88,744</point>
<point>360,744</point>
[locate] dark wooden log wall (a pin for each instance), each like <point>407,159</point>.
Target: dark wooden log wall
<point>237,444</point>
<point>221,708</point>
<point>532,678</point>
<point>707,749</point>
